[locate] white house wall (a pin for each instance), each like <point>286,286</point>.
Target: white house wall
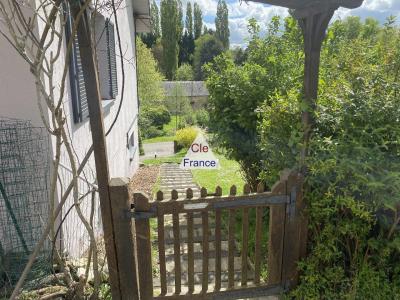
<point>75,238</point>
<point>18,100</point>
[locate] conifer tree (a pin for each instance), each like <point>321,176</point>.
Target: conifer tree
<point>198,20</point>
<point>189,19</point>
<point>222,24</point>
<point>170,23</point>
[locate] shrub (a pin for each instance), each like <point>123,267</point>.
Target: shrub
<point>186,136</point>
<point>184,73</point>
<point>202,117</point>
<point>152,132</point>
<point>160,116</point>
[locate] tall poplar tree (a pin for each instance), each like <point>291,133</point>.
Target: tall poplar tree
<point>179,24</point>
<point>186,46</point>
<point>170,23</point>
<point>189,19</point>
<point>222,24</point>
<point>155,20</point>
<point>198,20</point>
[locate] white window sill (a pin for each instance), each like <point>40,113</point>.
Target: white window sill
<point>106,105</point>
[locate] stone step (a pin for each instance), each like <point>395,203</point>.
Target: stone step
<point>183,234</point>
<point>198,255</point>
<point>197,247</point>
<point>198,278</point>
<point>181,184</point>
<point>197,220</point>
<point>198,265</point>
<point>196,239</point>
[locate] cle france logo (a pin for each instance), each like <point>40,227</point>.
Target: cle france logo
<point>199,155</point>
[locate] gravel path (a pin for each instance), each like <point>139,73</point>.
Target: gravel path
<point>161,149</point>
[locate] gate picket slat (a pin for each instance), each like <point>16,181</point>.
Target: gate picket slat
<point>204,215</point>
<point>245,241</point>
<point>190,252</point>
<point>231,249</point>
<point>257,260</point>
<point>217,250</point>
<point>177,252</point>
<point>161,247</point>
<point>161,253</point>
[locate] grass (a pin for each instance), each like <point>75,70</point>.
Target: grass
<point>159,139</point>
<point>229,174</point>
<point>169,129</point>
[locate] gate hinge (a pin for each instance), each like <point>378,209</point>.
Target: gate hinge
<point>291,207</point>
<point>143,215</point>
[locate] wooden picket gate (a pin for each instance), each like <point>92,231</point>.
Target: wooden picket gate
<point>286,241</point>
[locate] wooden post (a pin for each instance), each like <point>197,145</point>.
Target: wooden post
<point>294,231</point>
<point>277,217</point>
<point>89,66</point>
<point>121,207</point>
<point>314,26</point>
<point>145,269</point>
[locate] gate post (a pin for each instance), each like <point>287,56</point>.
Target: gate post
<point>124,244</point>
<point>143,247</point>
<point>295,238</point>
<point>277,219</point>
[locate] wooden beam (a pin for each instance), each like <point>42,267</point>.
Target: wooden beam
<point>89,67</point>
<point>301,4</point>
<point>314,29</point>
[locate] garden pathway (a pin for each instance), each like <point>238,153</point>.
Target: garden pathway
<point>172,177</point>
<point>161,149</point>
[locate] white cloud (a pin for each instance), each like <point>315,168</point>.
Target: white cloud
<point>241,11</point>
<point>381,5</point>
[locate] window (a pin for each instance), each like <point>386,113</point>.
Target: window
<point>106,58</point>
<point>131,140</point>
<point>76,76</point>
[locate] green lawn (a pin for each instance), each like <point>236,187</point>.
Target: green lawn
<point>159,139</point>
<point>170,159</point>
<point>229,174</point>
<point>169,130</point>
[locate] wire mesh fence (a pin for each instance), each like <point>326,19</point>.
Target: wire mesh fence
<point>24,180</point>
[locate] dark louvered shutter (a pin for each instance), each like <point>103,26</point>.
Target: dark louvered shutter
<point>77,79</point>
<point>112,62</point>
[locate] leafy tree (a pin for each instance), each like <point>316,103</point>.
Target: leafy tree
<point>153,113</point>
<point>236,92</point>
<point>198,20</point>
<point>222,24</point>
<point>180,25</point>
<point>353,180</point>
<point>239,55</point>
<point>207,47</point>
<point>170,26</point>
<point>189,19</point>
<point>186,46</point>
<point>155,20</point>
<point>157,51</point>
<point>184,73</point>
<point>149,78</point>
<point>178,105</point>
<point>186,49</point>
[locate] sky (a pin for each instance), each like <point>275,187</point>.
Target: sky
<point>241,11</point>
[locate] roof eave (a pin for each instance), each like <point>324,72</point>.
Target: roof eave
<point>141,13</point>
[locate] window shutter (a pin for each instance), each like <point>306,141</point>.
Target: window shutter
<point>112,62</point>
<point>77,80</point>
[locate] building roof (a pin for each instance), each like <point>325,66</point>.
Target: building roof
<point>141,12</point>
<point>189,88</point>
